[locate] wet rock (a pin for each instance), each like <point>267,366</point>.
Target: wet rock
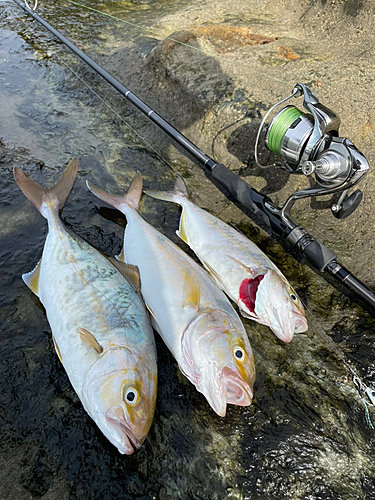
<point>307,433</point>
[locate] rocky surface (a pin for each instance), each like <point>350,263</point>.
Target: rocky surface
<point>244,57</point>
<point>307,434</point>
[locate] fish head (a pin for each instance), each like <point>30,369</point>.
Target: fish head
<point>119,393</point>
<point>218,360</point>
<point>277,305</point>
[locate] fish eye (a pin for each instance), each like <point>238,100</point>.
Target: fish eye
<point>239,353</point>
<point>293,297</point>
<point>131,396</point>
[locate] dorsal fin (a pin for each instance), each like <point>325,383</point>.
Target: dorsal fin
<point>57,349</point>
<point>32,278</point>
<point>151,312</point>
<point>191,291</point>
<point>89,340</point>
<point>129,272</point>
<point>212,271</point>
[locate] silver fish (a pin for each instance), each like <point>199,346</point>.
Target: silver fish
<point>192,315</point>
<point>239,267</point>
<point>99,323</point>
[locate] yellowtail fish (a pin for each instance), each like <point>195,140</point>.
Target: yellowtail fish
<point>99,322</point>
<point>239,267</point>
<point>193,316</point>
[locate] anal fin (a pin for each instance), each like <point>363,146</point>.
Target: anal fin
<point>57,349</point>
<point>32,278</point>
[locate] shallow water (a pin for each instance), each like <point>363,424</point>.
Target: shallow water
<point>304,437</point>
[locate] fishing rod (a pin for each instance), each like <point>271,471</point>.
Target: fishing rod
<point>309,144</point>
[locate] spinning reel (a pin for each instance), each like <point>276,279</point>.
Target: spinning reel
<point>310,144</point>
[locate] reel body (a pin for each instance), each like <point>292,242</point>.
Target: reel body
<point>310,144</point>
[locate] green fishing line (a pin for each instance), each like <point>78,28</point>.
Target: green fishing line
<point>278,128</point>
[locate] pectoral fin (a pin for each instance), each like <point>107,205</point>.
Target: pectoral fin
<point>244,266</point>
<point>191,292</point>
<point>32,278</point>
<point>89,340</point>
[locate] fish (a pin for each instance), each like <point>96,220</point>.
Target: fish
<point>100,326</point>
<point>239,267</point>
<point>192,315</point>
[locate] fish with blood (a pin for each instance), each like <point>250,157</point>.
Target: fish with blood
<point>239,267</point>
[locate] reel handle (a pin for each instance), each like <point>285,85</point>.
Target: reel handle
<point>342,211</point>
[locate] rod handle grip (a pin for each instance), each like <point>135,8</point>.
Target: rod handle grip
<point>257,203</point>
<point>315,252</point>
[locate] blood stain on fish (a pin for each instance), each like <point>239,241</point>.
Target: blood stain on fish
<point>248,290</point>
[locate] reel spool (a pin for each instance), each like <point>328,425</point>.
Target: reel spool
<point>288,132</point>
<point>310,145</point>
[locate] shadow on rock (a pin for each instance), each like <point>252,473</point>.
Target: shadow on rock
<point>241,145</point>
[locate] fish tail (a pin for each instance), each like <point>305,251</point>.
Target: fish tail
<point>178,192</point>
<point>47,200</point>
<point>131,198</point>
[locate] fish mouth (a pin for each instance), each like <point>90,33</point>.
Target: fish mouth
<point>284,326</point>
<point>215,394</point>
<point>127,440</point>
<point>301,325</point>
<point>228,388</point>
<point>238,392</point>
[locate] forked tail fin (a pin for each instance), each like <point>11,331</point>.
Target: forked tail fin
<point>178,191</point>
<point>48,200</point>
<point>131,198</point>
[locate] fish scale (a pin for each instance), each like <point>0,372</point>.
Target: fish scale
<point>90,280</point>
